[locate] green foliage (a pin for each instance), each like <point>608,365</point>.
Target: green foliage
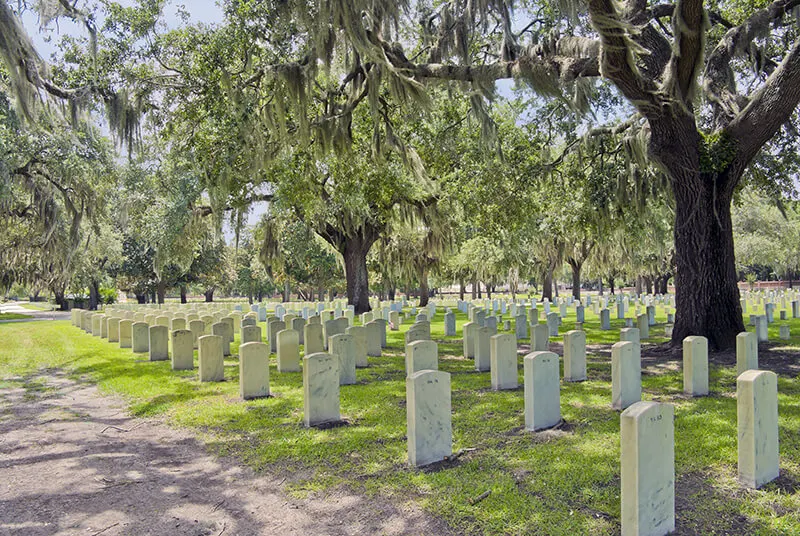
<point>717,150</point>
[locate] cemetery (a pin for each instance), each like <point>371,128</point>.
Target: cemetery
<point>576,437</point>
<point>437,267</point>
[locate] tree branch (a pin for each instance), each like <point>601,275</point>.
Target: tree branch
<point>719,82</point>
<point>770,107</point>
<point>689,26</point>
<point>617,62</point>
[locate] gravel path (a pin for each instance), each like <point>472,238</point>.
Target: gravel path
<point>74,462</point>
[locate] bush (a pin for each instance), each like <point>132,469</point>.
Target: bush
<point>108,295</point>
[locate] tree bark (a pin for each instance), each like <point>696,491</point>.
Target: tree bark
<point>209,295</point>
<point>601,286</point>
<point>391,292</point>
<point>489,291</point>
<point>424,291</point>
<point>183,294</point>
<point>576,278</point>
<point>94,295</point>
<point>648,284</point>
<point>611,285</point>
<point>141,298</point>
<point>547,285</point>
<point>356,274</point>
<point>706,289</point>
<point>461,289</point>
<point>161,291</point>
<point>474,289</point>
<point>287,291</point>
<point>58,296</point>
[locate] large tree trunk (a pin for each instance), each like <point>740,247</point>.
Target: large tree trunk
<point>141,298</point>
<point>183,294</point>
<point>648,284</point>
<point>161,291</point>
<point>461,289</point>
<point>611,285</point>
<point>58,296</point>
<point>209,295</point>
<point>488,291</point>
<point>474,289</point>
<point>547,285</point>
<point>601,287</point>
<point>287,290</point>
<point>355,272</point>
<point>94,295</point>
<point>576,278</point>
<point>424,291</point>
<point>706,289</point>
<point>391,292</point>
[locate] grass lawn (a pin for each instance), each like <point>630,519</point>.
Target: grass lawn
<point>13,316</point>
<point>563,481</point>
<point>38,306</point>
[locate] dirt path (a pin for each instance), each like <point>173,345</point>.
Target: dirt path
<point>74,462</point>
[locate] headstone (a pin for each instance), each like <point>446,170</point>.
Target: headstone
<point>757,420</point>
<point>420,331</point>
<point>647,469</point>
<point>542,391</point>
<point>626,375</point>
<point>784,333</point>
<point>394,320</point>
<point>762,331</point>
<point>343,347</point>
<point>125,333</point>
<point>112,329</point>
<point>428,416</point>
<point>359,334</point>
<point>320,389</point>
<point>469,339</point>
<point>140,337</point>
<point>159,343</point>
<point>373,338</point>
<point>520,327</point>
<point>644,326</point>
<point>299,324</point>
<point>482,341</point>
<point>575,356</point>
<point>274,328</point>
<point>382,328</point>
<point>421,355</point>
<point>540,338</point>
<point>580,314</point>
<point>695,365</point>
<point>182,350</point>
<point>288,342</point>
<point>605,319</point>
<point>651,315</point>
<point>504,373</point>
<point>746,352</point>
<point>552,324</point>
<point>248,321</point>
<point>197,327</point>
<point>97,324</point>
<point>620,310</point>
<point>314,339</point>
<point>210,359</point>
<point>223,329</point>
<point>253,370</point>
<point>449,324</point>
<point>533,316</point>
<point>251,334</point>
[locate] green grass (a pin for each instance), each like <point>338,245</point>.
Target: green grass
<point>558,482</point>
<point>37,306</point>
<point>13,316</point>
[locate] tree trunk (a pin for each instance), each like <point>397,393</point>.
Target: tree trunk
<point>209,294</point>
<point>474,289</point>
<point>161,291</point>
<point>547,285</point>
<point>321,294</point>
<point>183,294</point>
<point>648,284</point>
<point>611,285</point>
<point>576,278</point>
<point>706,289</point>
<point>141,298</point>
<point>601,286</point>
<point>94,295</point>
<point>391,292</point>
<point>488,291</point>
<point>355,272</point>
<point>480,295</point>
<point>461,289</point>
<point>424,291</point>
<point>58,296</point>
<point>287,290</point>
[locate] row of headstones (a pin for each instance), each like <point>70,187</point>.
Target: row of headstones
<point>350,348</point>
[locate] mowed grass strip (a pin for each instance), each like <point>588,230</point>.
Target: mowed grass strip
<point>563,481</point>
